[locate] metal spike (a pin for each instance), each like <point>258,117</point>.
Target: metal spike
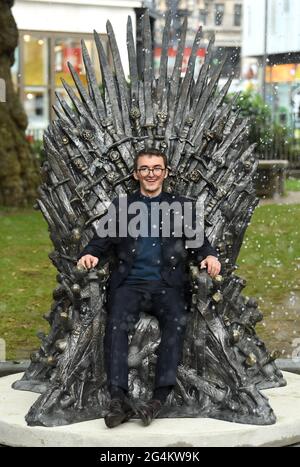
<point>92,81</point>
<point>175,80</point>
<point>120,75</point>
<point>121,81</point>
<point>209,90</point>
<point>67,109</point>
<point>209,112</point>
<point>181,110</point>
<point>163,68</point>
<point>132,64</point>
<point>110,84</point>
<point>148,74</point>
<point>82,91</point>
<point>203,74</point>
<point>140,46</point>
<point>78,104</point>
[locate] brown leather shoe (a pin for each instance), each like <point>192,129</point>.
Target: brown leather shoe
<point>119,411</point>
<point>149,411</point>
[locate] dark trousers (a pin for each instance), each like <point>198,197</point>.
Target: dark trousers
<point>125,303</point>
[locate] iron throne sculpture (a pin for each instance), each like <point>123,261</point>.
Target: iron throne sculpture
<point>90,150</point>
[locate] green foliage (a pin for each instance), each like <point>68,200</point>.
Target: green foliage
<point>273,141</point>
<point>37,147</point>
<point>252,105</point>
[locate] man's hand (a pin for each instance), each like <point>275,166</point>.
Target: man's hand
<point>88,261</point>
<point>212,264</point>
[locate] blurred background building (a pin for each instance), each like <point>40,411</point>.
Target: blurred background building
<point>51,31</point>
<point>271,56</point>
<point>260,37</point>
<point>224,18</point>
<point>50,35</point>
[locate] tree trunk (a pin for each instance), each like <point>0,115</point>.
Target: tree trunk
<point>19,169</point>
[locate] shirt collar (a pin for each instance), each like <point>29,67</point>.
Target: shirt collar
<point>150,198</point>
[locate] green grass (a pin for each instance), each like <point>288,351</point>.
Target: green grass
<point>270,255</point>
<point>292,184</point>
<point>27,279</point>
<point>269,260</point>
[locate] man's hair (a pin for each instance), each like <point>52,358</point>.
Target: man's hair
<point>150,152</point>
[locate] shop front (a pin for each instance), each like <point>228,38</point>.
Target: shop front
<point>50,34</point>
<point>283,93</point>
<point>40,66</point>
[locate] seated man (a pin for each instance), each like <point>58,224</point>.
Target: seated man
<point>149,267</point>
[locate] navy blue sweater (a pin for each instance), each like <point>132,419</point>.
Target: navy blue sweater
<point>147,260</point>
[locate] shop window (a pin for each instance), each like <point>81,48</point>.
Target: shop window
<point>43,63</point>
<point>36,106</point>
<point>237,15</point>
<point>203,17</point>
<point>219,13</point>
<point>36,60</point>
<point>36,80</point>
<point>69,50</point>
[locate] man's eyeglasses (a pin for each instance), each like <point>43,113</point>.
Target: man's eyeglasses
<point>145,171</point>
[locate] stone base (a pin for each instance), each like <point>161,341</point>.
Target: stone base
<point>184,432</point>
<point>270,177</point>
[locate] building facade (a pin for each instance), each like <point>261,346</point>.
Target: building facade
<point>50,35</point>
<point>271,55</point>
<point>222,18</point>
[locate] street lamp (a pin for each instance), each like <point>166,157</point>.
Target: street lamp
<point>265,56</point>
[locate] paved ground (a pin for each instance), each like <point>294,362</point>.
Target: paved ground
<point>185,432</point>
<point>293,197</point>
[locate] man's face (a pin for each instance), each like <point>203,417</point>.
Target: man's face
<point>151,181</point>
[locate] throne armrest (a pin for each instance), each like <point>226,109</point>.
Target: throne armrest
<point>202,283</point>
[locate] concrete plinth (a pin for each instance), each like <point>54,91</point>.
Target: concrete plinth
<point>185,432</point>
<point>270,178</point>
